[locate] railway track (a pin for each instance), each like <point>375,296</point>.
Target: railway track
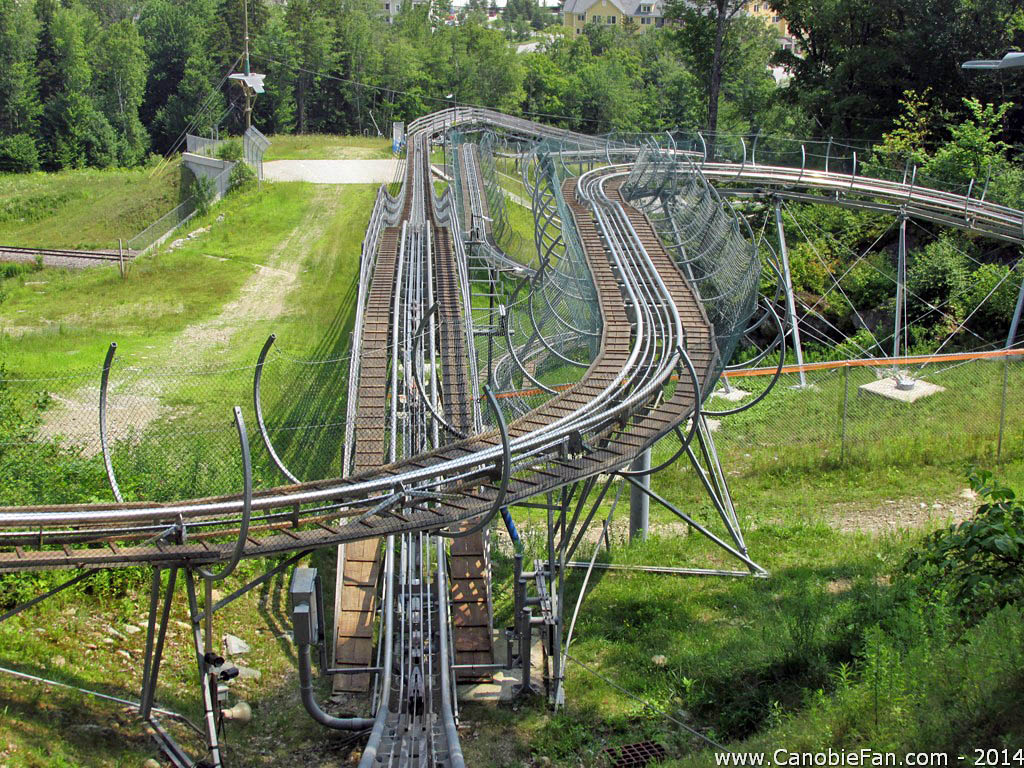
<point>57,257</point>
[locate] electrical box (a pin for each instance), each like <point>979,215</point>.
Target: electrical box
<point>305,621</point>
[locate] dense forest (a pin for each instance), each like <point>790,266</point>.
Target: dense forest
<point>106,82</point>
<point>114,82</point>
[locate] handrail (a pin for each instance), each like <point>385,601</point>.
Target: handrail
<point>243,528</point>
<point>107,463</point>
<point>258,408</point>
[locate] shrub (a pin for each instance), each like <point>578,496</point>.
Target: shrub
<point>979,563</point>
<point>241,177</point>
<point>203,194</point>
<point>230,150</point>
<point>18,153</point>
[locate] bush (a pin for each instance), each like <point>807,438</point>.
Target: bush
<point>230,150</point>
<point>203,194</point>
<point>18,153</point>
<point>979,563</point>
<point>242,176</point>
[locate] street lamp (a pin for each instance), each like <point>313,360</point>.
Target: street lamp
<point>1012,60</point>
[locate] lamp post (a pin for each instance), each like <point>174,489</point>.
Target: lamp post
<point>1012,60</point>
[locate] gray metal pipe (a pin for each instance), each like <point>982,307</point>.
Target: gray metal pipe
<point>451,731</point>
<point>639,503</point>
<point>311,705</point>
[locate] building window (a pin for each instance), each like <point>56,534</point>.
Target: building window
<point>611,19</point>
<point>582,17</point>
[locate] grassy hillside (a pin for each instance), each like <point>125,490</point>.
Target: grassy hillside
<point>319,146</point>
<point>84,208</point>
<point>834,648</point>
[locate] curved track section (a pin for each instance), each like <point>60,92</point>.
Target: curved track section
<point>597,424</point>
<point>461,473</point>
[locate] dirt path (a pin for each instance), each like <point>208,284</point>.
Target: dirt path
<point>134,402</point>
<point>265,293</point>
<point>899,514</point>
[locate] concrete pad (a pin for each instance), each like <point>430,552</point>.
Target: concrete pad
<point>503,681</point>
<point>887,388</point>
<point>354,171</point>
<point>734,395</point>
<point>713,425</point>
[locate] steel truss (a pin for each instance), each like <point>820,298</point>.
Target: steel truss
<point>610,343</point>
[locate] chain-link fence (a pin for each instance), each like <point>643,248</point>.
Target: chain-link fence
<point>961,409</point>
<point>170,430</point>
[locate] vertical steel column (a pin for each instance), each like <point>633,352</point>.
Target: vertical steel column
<point>901,287</point>
<point>639,502</point>
<point>1002,409</point>
<point>846,402</point>
<point>207,682</point>
<point>1012,335</point>
<point>790,299</point>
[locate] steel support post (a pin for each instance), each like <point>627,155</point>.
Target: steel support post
<point>790,298</point>
<point>639,502</point>
<point>207,681</point>
<point>846,403</point>
<point>155,635</point>
<point>1002,409</point>
<point>1011,337</point>
<point>901,287</point>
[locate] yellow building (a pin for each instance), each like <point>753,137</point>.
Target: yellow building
<point>643,14</point>
<point>762,10</point>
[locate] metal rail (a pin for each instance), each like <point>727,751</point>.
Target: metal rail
<point>10,250</point>
<point>594,407</point>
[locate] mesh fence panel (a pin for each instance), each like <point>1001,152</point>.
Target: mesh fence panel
<point>171,432</point>
<point>976,416</point>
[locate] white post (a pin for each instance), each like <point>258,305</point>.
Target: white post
<point>790,299</point>
<point>901,289</point>
<point>1012,335</point>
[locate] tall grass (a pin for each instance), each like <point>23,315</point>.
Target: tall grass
<point>86,208</point>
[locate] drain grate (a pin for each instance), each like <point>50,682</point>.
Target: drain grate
<point>634,755</point>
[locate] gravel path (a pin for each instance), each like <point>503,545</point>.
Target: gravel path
<point>332,171</point>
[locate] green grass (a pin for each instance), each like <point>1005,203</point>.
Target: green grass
<point>317,146</point>
<point>62,319</point>
<point>84,208</point>
<point>520,245</point>
<point>188,343</point>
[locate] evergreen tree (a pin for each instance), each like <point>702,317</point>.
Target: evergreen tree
<point>19,100</point>
<point>312,42</point>
<point>177,39</point>
<point>120,84</point>
<point>196,106</point>
<point>74,132</point>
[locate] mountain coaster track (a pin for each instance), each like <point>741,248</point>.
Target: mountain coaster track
<point>638,230</point>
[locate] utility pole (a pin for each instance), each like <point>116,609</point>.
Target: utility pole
<point>251,83</point>
<point>248,72</point>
